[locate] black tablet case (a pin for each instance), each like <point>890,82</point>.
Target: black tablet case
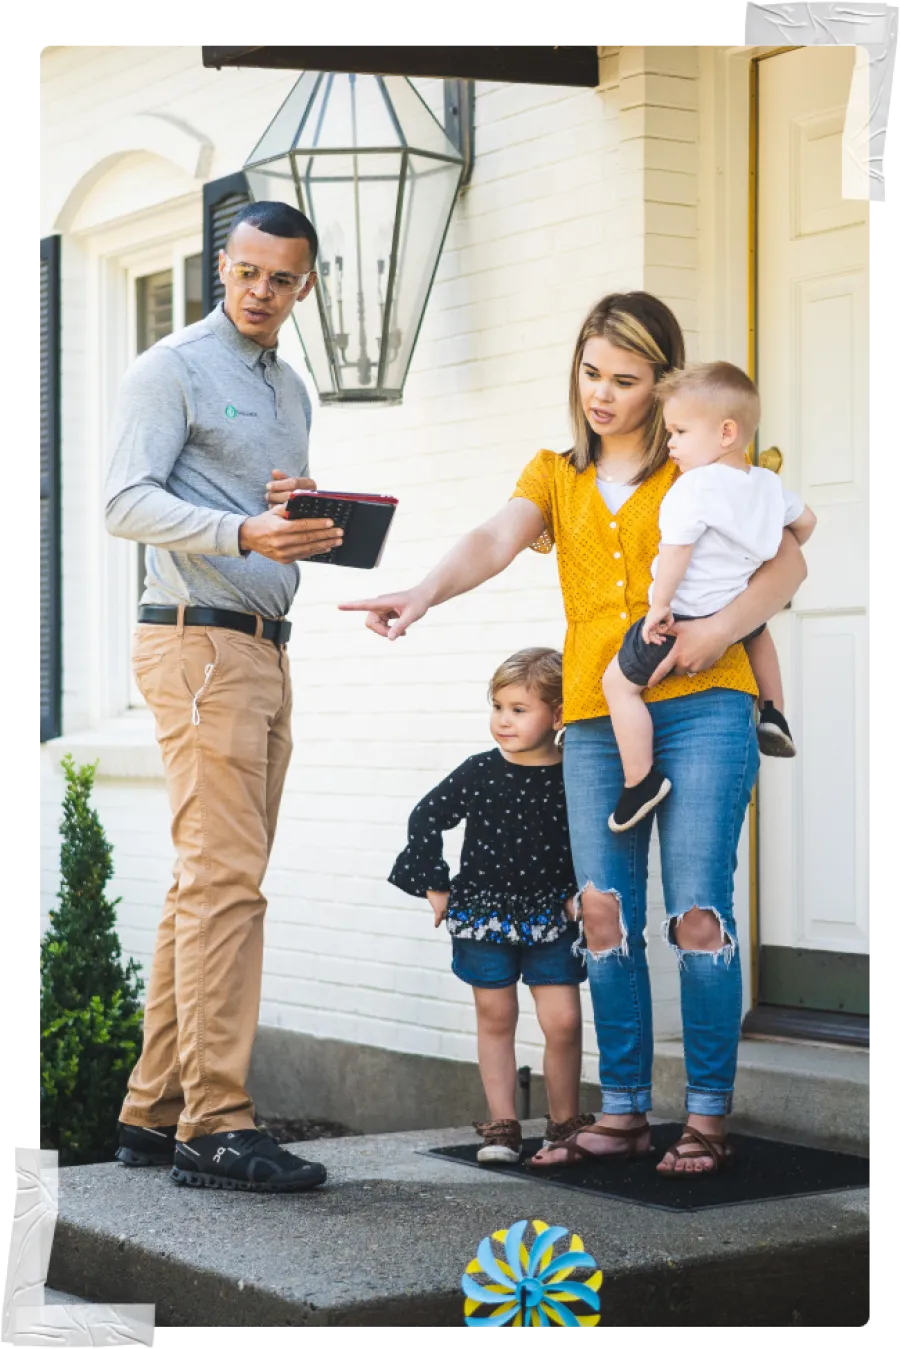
<point>364,520</point>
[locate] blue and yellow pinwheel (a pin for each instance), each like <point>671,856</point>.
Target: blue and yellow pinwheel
<point>522,1277</point>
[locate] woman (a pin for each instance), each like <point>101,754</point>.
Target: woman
<point>599,504</point>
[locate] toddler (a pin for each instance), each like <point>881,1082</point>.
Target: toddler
<point>718,523</point>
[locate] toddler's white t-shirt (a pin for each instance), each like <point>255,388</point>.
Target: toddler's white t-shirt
<point>734,520</point>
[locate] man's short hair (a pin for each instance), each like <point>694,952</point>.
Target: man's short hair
<point>730,391</point>
<point>276,217</point>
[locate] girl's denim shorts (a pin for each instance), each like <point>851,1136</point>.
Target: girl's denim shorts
<point>497,964</point>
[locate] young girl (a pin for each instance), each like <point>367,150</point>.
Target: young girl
<point>719,522</point>
<point>509,909</point>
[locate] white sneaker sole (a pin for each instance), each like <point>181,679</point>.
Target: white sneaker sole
<point>774,742</point>
<point>644,810</point>
<point>493,1154</point>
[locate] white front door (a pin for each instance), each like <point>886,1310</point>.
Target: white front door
<point>812,368</point>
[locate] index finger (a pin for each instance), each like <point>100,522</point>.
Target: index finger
<point>376,605</point>
<point>664,668</point>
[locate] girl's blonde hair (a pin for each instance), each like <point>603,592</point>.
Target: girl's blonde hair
<point>537,668</point>
<point>641,324</point>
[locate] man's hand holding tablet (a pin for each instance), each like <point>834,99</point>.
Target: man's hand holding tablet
<point>362,520</point>
<point>274,536</point>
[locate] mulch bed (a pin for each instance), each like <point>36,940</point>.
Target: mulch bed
<point>303,1130</point>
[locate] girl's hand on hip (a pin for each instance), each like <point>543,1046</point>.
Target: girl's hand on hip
<point>698,645</point>
<point>390,615</point>
<point>438,899</point>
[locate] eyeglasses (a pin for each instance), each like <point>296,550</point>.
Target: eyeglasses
<point>246,275</point>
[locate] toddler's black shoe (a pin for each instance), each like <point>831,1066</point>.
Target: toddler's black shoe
<point>244,1159</point>
<point>773,734</point>
<point>636,802</point>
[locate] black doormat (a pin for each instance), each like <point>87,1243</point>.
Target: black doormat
<point>764,1170</point>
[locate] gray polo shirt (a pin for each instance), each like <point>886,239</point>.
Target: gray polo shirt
<point>202,419</point>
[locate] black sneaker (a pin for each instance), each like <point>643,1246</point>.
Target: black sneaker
<point>773,734</point>
<point>146,1147</point>
<point>636,802</point>
<point>247,1159</point>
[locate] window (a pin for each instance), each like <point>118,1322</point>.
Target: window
<point>154,309</point>
<point>163,299</point>
<point>154,321</point>
<point>193,288</point>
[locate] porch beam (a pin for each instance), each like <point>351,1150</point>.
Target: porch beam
<point>574,66</point>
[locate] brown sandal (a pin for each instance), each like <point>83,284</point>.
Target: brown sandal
<point>575,1153</point>
<point>715,1146</point>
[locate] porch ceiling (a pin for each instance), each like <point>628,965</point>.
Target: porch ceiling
<point>514,65</point>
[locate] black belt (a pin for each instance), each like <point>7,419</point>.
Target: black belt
<point>277,630</point>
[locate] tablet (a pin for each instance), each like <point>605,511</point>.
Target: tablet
<point>364,518</point>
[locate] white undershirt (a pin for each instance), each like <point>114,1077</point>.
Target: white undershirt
<point>615,494</point>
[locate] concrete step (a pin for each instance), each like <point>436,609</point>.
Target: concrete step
<point>386,1241</point>
<point>799,1092</point>
<point>807,1093</point>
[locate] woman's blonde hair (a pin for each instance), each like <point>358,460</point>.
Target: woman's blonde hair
<point>641,324</point>
<point>537,668</point>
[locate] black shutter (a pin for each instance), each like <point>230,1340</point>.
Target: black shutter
<point>221,202</point>
<point>51,578</point>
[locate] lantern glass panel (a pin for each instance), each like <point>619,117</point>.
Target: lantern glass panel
<point>281,132</point>
<point>427,200</point>
<point>350,111</point>
<point>353,200</point>
<point>420,129</point>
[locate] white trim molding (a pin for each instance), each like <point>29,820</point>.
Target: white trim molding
<point>123,747</point>
<point>153,133</point>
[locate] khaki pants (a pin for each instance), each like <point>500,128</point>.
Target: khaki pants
<point>222,703</point>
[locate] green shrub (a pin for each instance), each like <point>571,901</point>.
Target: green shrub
<point>90,1005</point>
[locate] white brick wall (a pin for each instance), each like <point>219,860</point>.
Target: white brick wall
<point>574,193</point>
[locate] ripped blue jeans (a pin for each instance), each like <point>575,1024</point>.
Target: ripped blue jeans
<point>706,745</point>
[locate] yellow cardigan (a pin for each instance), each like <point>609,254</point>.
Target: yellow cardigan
<point>604,571</point>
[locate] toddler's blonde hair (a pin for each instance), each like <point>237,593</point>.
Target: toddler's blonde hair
<point>725,386</point>
<point>537,668</point>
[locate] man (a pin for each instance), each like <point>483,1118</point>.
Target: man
<point>202,418</point>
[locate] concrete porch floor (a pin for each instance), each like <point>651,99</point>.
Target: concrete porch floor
<point>386,1240</point>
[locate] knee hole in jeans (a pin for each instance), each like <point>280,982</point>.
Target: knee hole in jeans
<point>699,930</point>
<point>604,925</point>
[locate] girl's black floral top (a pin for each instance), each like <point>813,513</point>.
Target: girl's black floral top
<point>515,869</point>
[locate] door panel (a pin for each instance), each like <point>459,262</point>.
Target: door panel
<point>812,371</point>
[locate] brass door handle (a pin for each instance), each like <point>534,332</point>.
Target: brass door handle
<point>772,458</point>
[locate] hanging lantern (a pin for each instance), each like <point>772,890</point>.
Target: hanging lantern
<point>365,159</point>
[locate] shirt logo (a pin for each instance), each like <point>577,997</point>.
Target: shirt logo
<point>231,410</point>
